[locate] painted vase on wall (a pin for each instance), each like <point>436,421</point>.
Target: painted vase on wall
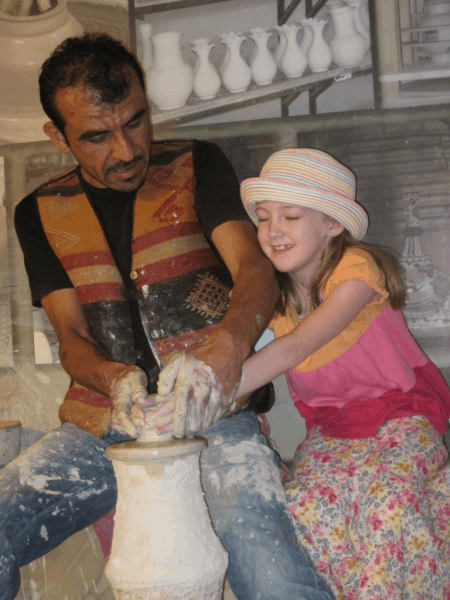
<point>145,45</point>
<point>170,80</point>
<point>294,62</point>
<point>236,74</point>
<point>437,22</point>
<point>348,46</point>
<point>319,54</point>
<point>207,81</point>
<point>263,65</point>
<point>427,288</point>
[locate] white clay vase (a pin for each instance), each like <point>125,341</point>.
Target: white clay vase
<point>263,65</point>
<point>207,81</point>
<point>294,62</point>
<point>145,45</point>
<point>236,75</point>
<point>170,80</point>
<point>164,545</point>
<point>25,43</point>
<point>348,46</point>
<point>319,54</point>
<point>359,23</point>
<point>281,47</point>
<point>307,35</point>
<point>328,31</point>
<point>437,24</point>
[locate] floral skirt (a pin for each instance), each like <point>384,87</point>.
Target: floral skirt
<point>374,513</point>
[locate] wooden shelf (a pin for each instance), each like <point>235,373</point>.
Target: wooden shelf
<point>225,101</point>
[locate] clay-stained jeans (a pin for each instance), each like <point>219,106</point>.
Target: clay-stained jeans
<point>64,482</point>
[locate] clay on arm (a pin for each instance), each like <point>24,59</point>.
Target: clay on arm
<point>80,355</point>
<point>251,306</point>
<point>338,310</point>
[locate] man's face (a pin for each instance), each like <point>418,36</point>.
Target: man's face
<point>111,143</point>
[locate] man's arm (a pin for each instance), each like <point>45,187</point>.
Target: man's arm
<point>255,292</point>
<point>88,364</point>
<point>204,379</point>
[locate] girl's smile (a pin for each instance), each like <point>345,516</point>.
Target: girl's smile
<point>293,237</point>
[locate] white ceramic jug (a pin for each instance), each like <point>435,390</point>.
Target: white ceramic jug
<point>170,80</point>
<point>164,545</point>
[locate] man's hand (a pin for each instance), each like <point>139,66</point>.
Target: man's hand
<point>129,391</point>
<point>199,397</point>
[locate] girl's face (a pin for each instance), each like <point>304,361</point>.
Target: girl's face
<point>294,237</point>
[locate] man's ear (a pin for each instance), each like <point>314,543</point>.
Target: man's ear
<point>56,136</point>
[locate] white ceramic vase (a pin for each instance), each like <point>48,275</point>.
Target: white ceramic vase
<point>360,25</point>
<point>25,43</point>
<point>281,47</point>
<point>329,29</point>
<point>319,54</point>
<point>348,46</point>
<point>170,80</point>
<point>207,81</point>
<point>437,24</point>
<point>263,65</point>
<point>294,62</point>
<point>236,74</point>
<point>308,35</point>
<point>145,47</point>
<point>164,545</point>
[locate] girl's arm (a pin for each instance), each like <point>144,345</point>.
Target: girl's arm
<point>328,320</point>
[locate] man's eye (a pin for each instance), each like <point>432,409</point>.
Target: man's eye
<point>98,139</point>
<point>134,124</point>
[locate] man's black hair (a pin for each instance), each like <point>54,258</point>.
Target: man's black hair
<point>96,61</point>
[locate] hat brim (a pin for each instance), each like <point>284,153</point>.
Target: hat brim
<point>277,189</point>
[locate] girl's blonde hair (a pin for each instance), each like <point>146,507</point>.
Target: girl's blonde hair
<point>290,301</point>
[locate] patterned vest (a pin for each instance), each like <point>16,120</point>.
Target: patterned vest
<point>182,289</point>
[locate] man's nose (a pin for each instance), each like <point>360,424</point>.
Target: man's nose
<point>123,148</point>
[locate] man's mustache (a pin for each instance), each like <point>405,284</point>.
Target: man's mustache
<point>124,166</point>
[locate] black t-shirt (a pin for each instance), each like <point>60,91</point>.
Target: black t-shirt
<point>217,200</point>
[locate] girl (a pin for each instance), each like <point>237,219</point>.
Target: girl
<point>369,492</point>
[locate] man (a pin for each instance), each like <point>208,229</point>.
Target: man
<point>130,255</point>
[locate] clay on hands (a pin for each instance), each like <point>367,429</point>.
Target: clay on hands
<point>127,392</point>
<point>198,396</point>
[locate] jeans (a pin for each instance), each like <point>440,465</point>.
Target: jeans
<point>64,482</point>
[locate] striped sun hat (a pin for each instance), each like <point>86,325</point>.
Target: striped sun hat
<point>310,178</point>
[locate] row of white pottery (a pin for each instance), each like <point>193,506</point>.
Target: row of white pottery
<point>437,22</point>
<point>171,80</point>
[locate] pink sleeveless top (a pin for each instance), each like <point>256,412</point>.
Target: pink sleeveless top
<point>371,372</point>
